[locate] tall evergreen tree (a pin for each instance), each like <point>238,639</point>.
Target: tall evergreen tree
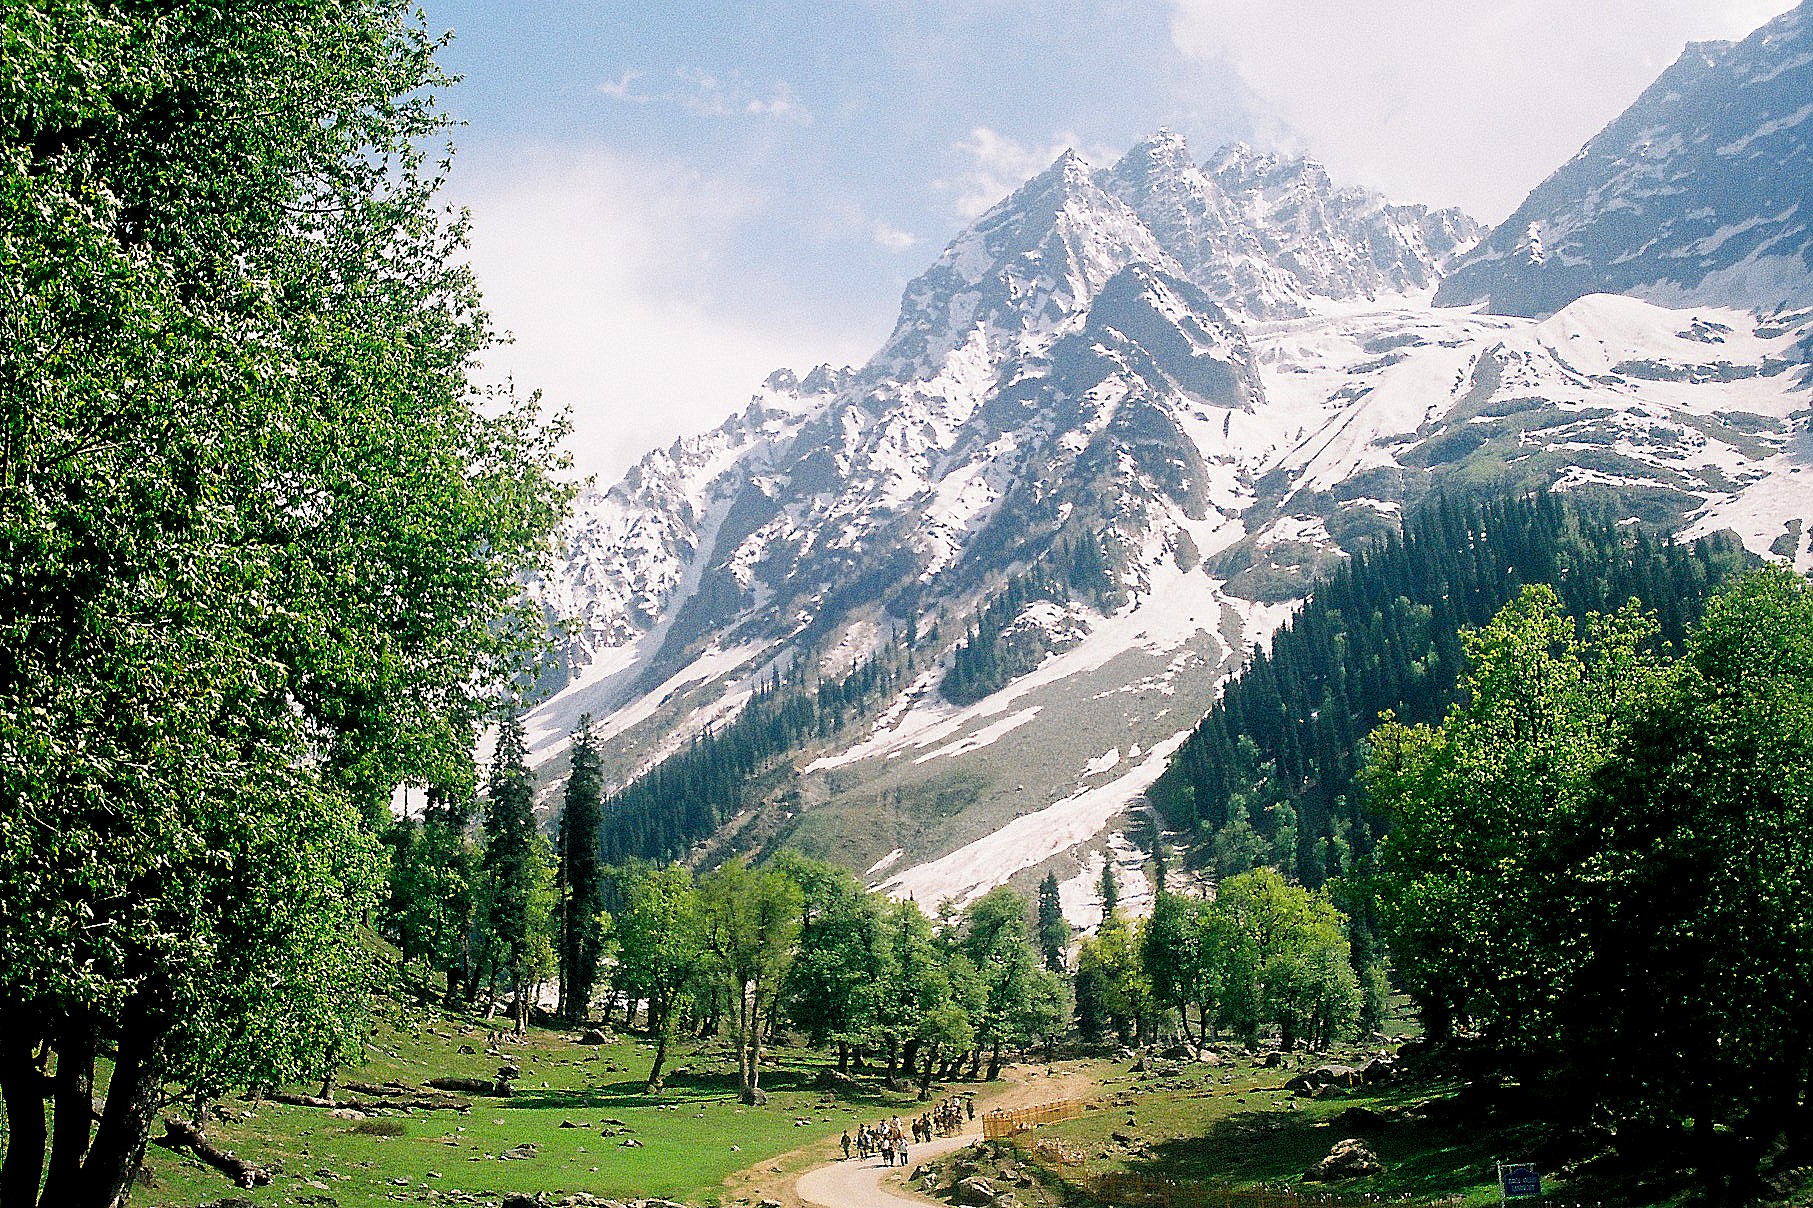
<point>1110,890</point>
<point>581,885</point>
<point>509,864</point>
<point>1054,929</point>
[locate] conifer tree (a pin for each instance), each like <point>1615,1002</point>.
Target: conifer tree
<point>511,865</point>
<point>1111,891</point>
<point>1054,929</point>
<point>581,884</point>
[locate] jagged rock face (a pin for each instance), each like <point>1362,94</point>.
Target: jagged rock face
<point>798,489</point>
<point>1702,192</point>
<point>1266,237</point>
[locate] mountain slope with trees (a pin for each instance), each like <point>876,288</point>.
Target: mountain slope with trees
<point>1268,777</point>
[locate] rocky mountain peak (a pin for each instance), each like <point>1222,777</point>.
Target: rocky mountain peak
<point>1696,194</point>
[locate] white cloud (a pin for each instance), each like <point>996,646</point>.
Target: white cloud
<point>622,88</point>
<point>893,238</point>
<point>997,165</point>
<point>704,94</point>
<point>607,270</point>
<point>780,104</point>
<point>1445,102</point>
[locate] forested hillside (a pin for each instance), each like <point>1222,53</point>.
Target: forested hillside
<point>687,796</point>
<point>1268,776</point>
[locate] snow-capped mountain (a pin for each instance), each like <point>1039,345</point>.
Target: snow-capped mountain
<point>1702,192</point>
<point>1165,395</point>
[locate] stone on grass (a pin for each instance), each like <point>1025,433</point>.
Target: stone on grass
<point>1349,1159</point>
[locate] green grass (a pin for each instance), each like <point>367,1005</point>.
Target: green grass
<point>693,1136</point>
<point>1236,1124</point>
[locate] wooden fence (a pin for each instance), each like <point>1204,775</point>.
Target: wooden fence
<point>998,1124</point>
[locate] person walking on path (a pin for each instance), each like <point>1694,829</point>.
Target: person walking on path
<point>846,1145</point>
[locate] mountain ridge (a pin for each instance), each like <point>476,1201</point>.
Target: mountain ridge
<point>1203,385</point>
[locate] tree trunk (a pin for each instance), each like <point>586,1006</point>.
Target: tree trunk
<point>178,1135</point>
<point>74,1089</point>
<point>925,1079</point>
<point>133,1099</point>
<point>909,1059</point>
<point>755,1043</point>
<point>654,1073</point>
<point>994,1062</point>
<point>843,1057</point>
<point>22,1086</point>
<point>975,1063</point>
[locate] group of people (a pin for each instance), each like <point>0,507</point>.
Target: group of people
<point>888,1140</point>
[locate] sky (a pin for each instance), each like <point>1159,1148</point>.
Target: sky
<point>671,200</point>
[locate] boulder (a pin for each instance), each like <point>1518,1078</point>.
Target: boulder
<point>1337,1075</point>
<point>1379,1069</point>
<point>1272,1061</point>
<point>1349,1159</point>
<point>594,1036</point>
<point>832,1080</point>
<point>1360,1120</point>
<point>976,1192</point>
<point>518,1200</point>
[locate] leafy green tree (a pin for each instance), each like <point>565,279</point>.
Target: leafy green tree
<point>1173,955</point>
<point>1690,883</point>
<point>828,992</point>
<point>259,542</point>
<point>913,978</point>
<point>659,930</point>
<point>429,912</point>
<point>1283,955</point>
<point>994,937</point>
<point>1112,989</point>
<point>1464,883</point>
<point>1054,928</point>
<point>581,913</point>
<point>752,931</point>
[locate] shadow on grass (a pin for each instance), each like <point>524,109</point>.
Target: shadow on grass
<point>691,1087</point>
<point>1423,1159</point>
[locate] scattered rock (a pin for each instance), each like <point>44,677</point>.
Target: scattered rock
<point>1349,1159</point>
<point>594,1036</point>
<point>976,1192</point>
<point>629,1143</point>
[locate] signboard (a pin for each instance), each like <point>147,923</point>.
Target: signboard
<point>1519,1181</point>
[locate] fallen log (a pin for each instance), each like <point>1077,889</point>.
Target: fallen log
<point>181,1135</point>
<point>388,1090</point>
<point>499,1089</point>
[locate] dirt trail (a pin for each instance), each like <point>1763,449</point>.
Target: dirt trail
<point>816,1175</point>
